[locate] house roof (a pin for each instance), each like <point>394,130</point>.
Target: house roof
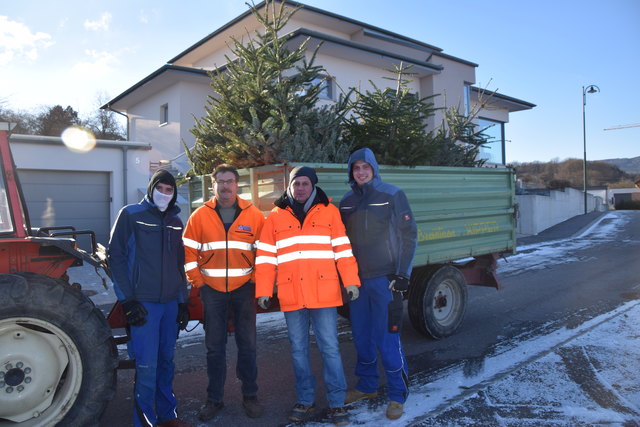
<point>313,10</point>
<point>499,100</point>
<point>164,76</point>
<point>340,47</point>
<point>361,52</point>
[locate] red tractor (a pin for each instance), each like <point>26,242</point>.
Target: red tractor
<point>58,357</point>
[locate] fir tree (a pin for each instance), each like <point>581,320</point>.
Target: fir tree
<point>393,123</point>
<point>457,141</point>
<point>264,108</point>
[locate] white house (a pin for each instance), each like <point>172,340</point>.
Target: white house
<point>160,108</point>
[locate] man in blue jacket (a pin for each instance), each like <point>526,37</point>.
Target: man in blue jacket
<point>383,235</point>
<point>146,258</point>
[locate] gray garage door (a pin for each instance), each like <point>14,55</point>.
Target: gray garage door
<point>80,199</point>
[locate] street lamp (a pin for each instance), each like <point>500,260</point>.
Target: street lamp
<point>585,91</point>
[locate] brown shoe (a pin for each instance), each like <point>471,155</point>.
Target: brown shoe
<point>394,410</point>
<point>176,422</point>
<point>338,416</point>
<point>252,407</point>
<point>301,413</point>
<point>209,410</point>
<point>354,395</point>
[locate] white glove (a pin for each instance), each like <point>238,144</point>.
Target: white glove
<point>353,292</point>
<point>264,302</point>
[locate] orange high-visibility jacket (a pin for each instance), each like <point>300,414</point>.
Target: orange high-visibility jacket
<point>304,261</point>
<point>223,260</point>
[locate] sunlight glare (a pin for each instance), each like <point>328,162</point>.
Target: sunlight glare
<point>78,139</point>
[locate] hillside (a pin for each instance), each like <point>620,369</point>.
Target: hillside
<point>628,165</point>
<point>569,173</point>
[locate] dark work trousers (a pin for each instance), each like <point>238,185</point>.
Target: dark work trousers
<point>370,329</point>
<point>217,304</point>
<point>152,346</point>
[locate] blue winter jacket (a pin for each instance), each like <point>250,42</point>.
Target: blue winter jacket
<point>379,223</point>
<point>146,255</point>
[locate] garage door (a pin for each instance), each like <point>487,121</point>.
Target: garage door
<point>59,198</point>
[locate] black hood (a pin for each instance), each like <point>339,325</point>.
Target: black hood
<point>165,177</point>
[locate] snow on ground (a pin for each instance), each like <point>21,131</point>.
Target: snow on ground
<point>542,255</point>
<point>533,374</point>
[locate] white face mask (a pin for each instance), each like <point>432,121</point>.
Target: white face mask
<point>161,200</point>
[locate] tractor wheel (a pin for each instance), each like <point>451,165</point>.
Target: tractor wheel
<point>437,301</point>
<point>58,358</point>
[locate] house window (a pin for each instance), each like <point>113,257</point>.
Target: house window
<point>326,87</point>
<point>467,100</point>
<point>493,151</point>
<point>164,114</point>
<point>6,225</point>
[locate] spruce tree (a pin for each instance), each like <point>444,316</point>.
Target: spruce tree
<point>393,123</point>
<point>457,141</point>
<point>263,110</point>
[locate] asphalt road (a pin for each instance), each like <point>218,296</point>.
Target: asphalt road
<point>561,287</point>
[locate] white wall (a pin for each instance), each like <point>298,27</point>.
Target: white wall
<point>144,124</point>
<point>193,99</point>
<point>537,213</point>
<point>184,100</point>
<point>354,74</point>
<point>450,82</point>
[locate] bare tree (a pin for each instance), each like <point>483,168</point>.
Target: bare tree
<point>25,121</point>
<point>105,124</point>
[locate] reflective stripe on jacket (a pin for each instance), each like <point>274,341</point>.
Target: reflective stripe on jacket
<point>304,261</point>
<point>223,260</point>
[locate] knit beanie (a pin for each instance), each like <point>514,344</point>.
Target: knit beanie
<point>304,171</point>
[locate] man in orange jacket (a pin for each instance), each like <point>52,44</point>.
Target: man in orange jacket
<point>219,242</point>
<point>302,249</point>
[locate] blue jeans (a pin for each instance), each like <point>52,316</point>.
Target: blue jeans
<point>370,329</point>
<point>324,324</point>
<point>152,346</point>
<point>216,305</point>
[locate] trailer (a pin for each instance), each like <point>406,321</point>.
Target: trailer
<point>465,218</point>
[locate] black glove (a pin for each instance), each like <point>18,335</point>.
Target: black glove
<point>398,283</point>
<point>135,312</point>
<point>183,315</point>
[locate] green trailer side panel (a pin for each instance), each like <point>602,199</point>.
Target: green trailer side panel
<point>460,212</point>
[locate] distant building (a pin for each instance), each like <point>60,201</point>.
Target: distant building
<point>161,107</point>
<point>624,194</point>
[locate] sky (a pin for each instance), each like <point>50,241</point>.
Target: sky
<point>81,52</point>
<point>525,372</point>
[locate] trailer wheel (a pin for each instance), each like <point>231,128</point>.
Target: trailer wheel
<point>437,301</point>
<point>58,357</point>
